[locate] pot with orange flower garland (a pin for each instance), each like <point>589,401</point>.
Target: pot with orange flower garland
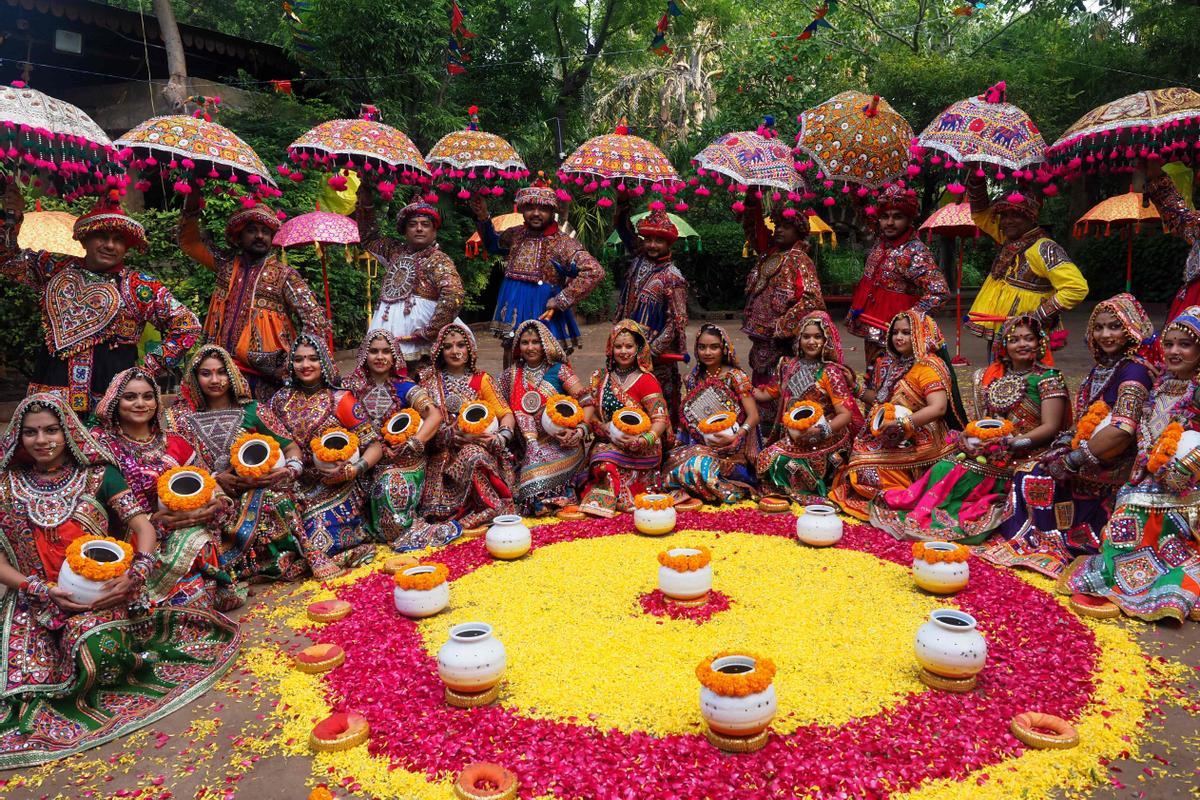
<point>422,590</point>
<point>478,419</point>
<point>685,575</point>
<point>185,489</point>
<point>253,455</point>
<point>339,732</point>
<point>983,431</point>
<point>801,417</point>
<point>484,780</point>
<point>720,429</point>
<point>737,699</point>
<point>562,413</point>
<point>940,567</point>
<point>1175,444</point>
<point>1098,416</point>
<point>885,413</point>
<point>628,422</point>
<point>92,561</point>
<point>654,514</point>
<point>332,448</point>
<point>401,426</point>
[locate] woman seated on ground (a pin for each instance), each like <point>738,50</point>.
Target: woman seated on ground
<point>214,410</point>
<point>1149,559</point>
<point>718,471</point>
<point>962,496</point>
<point>333,493</point>
<point>1057,507</point>
<point>131,424</point>
<point>801,464</point>
<point>469,477</point>
<point>910,376</point>
<point>58,485</point>
<point>623,464</point>
<point>381,384</point>
<point>549,463</point>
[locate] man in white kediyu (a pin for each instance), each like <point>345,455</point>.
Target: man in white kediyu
<point>421,290</point>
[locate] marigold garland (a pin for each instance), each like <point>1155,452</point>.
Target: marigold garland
<point>1096,413</point>
<point>934,555</point>
<point>254,470</point>
<point>880,420</point>
<point>976,431</point>
<point>478,427</point>
<point>801,424</point>
<point>740,684</point>
<point>410,421</point>
<point>686,563</point>
<point>422,581</point>
<point>175,502</point>
<point>717,423</point>
<point>654,502</point>
<point>328,454</point>
<point>634,429</point>
<point>1164,448</point>
<point>94,570</point>
<point>552,411</point>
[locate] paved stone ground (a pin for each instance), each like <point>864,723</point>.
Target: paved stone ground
<point>207,749</point>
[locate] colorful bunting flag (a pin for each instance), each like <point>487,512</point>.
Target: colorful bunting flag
<point>659,42</point>
<point>819,20</point>
<point>456,56</point>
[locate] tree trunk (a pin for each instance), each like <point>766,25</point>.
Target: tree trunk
<point>176,91</point>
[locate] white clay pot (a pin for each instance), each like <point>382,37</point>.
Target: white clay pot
<point>334,440</point>
<point>877,420</point>
<point>949,645</point>
<point>685,585</point>
<point>508,537</point>
<point>184,483</point>
<point>83,590</point>
<point>819,526</point>
<point>473,659</point>
<point>800,414</point>
<point>941,577</point>
<point>654,521</point>
<point>418,603</point>
<point>255,453</point>
<point>984,424</point>
<point>1188,442</point>
<point>548,425</point>
<point>723,437</point>
<point>737,716</point>
<point>476,411</point>
<point>615,433</point>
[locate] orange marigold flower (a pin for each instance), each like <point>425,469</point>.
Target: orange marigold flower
<point>987,429</point>
<point>328,454</point>
<point>1096,413</point>
<point>631,420</point>
<point>253,470</point>
<point>177,502</point>
<point>736,684</point>
<point>421,578</point>
<point>934,555</point>
<point>699,558</point>
<point>557,404</point>
<point>93,570</point>
<point>400,426</point>
<point>802,415</point>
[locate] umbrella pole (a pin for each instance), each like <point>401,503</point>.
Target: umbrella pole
<point>958,359</point>
<point>328,306</point>
<point>1129,258</point>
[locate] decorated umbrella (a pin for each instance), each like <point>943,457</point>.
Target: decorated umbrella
<point>623,162</point>
<point>856,139</point>
<point>986,130</point>
<point>686,232</point>
<point>954,220</point>
<point>500,223</point>
<point>1126,211</point>
<point>475,158</point>
<point>751,158</point>
<point>52,231</point>
<point>56,140</point>
<point>190,151</point>
<point>816,227</point>
<point>366,146</point>
<point>1157,122</point>
<point>319,228</point>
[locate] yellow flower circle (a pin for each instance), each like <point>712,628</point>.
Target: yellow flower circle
<point>586,646</point>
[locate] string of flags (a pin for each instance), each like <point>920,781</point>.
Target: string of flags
<point>659,43</point>
<point>969,9</point>
<point>819,20</point>
<point>456,56</point>
<point>294,12</point>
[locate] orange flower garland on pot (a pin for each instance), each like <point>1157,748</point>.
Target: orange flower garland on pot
<point>185,488</point>
<point>334,445</point>
<point>737,699</point>
<point>400,426</point>
<point>253,455</point>
<point>1088,423</point>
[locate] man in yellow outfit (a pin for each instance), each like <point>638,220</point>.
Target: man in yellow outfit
<point>1031,274</point>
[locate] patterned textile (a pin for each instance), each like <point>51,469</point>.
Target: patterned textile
<point>334,533</point>
<point>93,321</point>
<point>536,196</point>
<point>1130,116</point>
<point>109,216</point>
<point>995,133</point>
<point>900,274</point>
<point>257,213</point>
<point>856,138</point>
<point>657,223</point>
<point>418,209</point>
<point>254,308</point>
<point>471,149</point>
<point>184,136</point>
<point>620,156</point>
<point>361,139</point>
<point>149,666</point>
<point>750,158</point>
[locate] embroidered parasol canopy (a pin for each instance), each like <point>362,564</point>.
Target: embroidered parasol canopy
<point>475,149</point>
<point>188,148</point>
<point>986,129</point>
<point>359,144</point>
<point>953,220</point>
<point>856,138</point>
<point>1113,137</point>
<point>752,159</point>
<point>317,227</point>
<point>51,231</point>
<point>1126,211</point>
<point>620,157</point>
<point>57,141</point>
